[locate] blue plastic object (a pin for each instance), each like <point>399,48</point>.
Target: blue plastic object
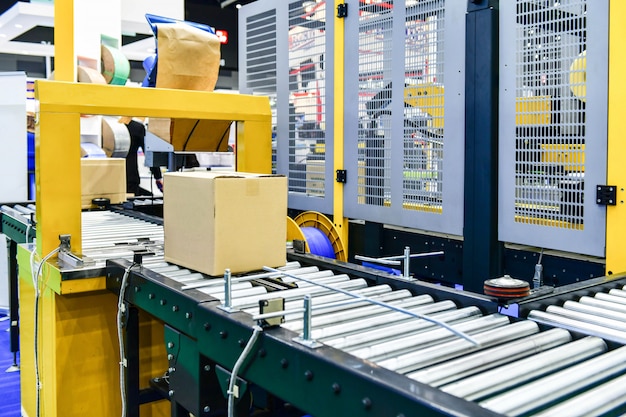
<point>318,242</point>
<point>392,271</point>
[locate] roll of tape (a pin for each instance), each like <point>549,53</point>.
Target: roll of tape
<point>91,150</point>
<point>115,66</point>
<point>115,138</point>
<point>578,76</point>
<point>89,75</point>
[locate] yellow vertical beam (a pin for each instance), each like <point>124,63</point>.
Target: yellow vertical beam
<point>254,146</point>
<point>616,175</point>
<point>340,222</point>
<point>57,167</point>
<point>64,55</point>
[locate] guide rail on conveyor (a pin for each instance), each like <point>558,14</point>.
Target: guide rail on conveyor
<point>372,360</point>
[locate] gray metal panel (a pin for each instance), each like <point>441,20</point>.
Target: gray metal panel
<point>299,56</point>
<point>552,127</point>
<point>405,165</point>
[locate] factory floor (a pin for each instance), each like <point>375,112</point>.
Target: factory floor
<point>9,381</point>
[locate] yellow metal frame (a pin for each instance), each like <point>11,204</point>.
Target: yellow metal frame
<point>340,222</point>
<point>77,328</point>
<point>616,175</point>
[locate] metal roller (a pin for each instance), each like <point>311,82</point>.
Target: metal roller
<point>389,352</point>
<point>504,377</point>
<point>348,314</point>
<point>298,293</point>
<point>596,311</point>
<point>364,338</point>
<point>612,298</point>
<point>618,293</point>
<point>484,360</point>
<point>543,391</point>
<point>598,401</point>
<point>576,325</point>
<point>588,318</point>
<point>605,305</point>
<point>380,322</point>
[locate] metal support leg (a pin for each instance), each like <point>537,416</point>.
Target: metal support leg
<point>13,305</point>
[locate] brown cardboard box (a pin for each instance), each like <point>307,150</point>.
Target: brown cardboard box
<point>192,135</point>
<point>218,220</point>
<point>102,178</point>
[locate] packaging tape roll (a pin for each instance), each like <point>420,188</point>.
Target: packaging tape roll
<point>115,66</point>
<point>89,75</point>
<point>115,138</point>
<point>91,150</point>
<point>578,76</point>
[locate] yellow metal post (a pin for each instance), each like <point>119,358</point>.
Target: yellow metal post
<point>64,56</point>
<point>616,175</point>
<point>340,222</point>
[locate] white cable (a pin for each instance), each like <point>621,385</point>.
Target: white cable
<point>121,310</point>
<point>36,285</point>
<point>233,377</point>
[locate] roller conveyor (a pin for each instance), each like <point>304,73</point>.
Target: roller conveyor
<point>513,356</point>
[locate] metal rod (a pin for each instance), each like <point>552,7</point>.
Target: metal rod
<point>306,333</point>
<point>227,289</point>
<point>550,319</point>
<point>377,260</point>
<point>407,261</point>
<point>391,307</point>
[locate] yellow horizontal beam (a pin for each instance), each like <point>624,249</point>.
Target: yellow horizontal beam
<point>85,98</point>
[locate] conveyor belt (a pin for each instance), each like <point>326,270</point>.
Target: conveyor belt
<point>518,368</point>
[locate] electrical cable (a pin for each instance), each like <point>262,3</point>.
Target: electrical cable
<point>217,148</point>
<point>257,330</point>
<point>121,311</point>
<point>38,290</point>
<point>190,134</point>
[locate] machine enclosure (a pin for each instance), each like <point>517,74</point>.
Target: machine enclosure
<point>213,221</point>
<point>102,178</point>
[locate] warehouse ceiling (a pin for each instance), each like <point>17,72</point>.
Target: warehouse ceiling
<point>28,28</point>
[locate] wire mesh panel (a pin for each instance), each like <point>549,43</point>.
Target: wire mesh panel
<point>258,56</point>
<point>287,54</point>
<point>404,71</point>
<point>307,98</point>
<point>424,108</point>
<point>553,123</point>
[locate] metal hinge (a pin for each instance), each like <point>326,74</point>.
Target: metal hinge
<point>342,175</point>
<point>342,10</point>
<point>606,195</point>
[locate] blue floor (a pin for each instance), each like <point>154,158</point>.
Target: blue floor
<point>9,381</point>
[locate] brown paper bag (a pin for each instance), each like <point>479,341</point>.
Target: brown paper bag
<point>189,58</point>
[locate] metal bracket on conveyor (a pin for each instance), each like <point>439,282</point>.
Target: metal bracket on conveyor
<point>228,293</point>
<point>399,259</point>
<point>70,259</point>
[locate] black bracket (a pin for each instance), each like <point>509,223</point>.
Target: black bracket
<point>342,175</point>
<point>606,195</point>
<point>342,10</point>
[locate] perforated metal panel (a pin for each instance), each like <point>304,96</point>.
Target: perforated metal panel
<point>553,123</point>
<point>294,42</point>
<point>404,132</point>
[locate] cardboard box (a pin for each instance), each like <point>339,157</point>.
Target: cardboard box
<point>219,220</point>
<point>102,178</point>
<point>192,135</point>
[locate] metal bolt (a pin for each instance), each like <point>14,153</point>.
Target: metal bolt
<point>223,334</point>
<point>170,345</point>
<point>241,342</point>
<point>171,370</point>
<point>262,353</point>
<point>336,388</point>
<point>137,289</point>
<point>284,363</point>
<point>187,315</point>
<point>207,368</point>
<point>163,301</point>
<point>171,393</point>
<point>367,403</point>
<point>308,375</point>
<point>151,296</point>
<point>174,309</point>
<point>170,356</point>
<point>206,409</point>
<point>207,326</point>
